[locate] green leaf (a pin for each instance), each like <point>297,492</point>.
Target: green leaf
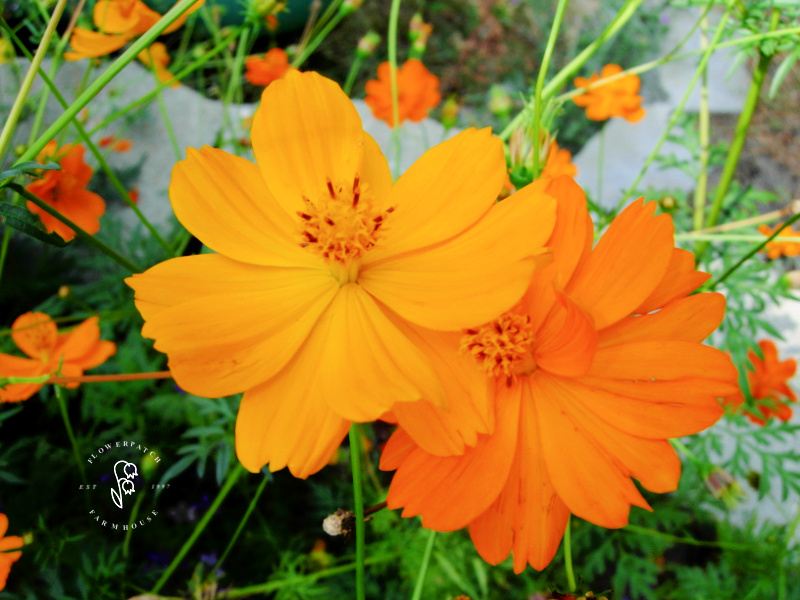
<point>782,71</point>
<point>26,222</point>
<point>30,167</point>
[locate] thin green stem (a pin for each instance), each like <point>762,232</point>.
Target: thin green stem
<point>19,102</point>
<point>571,585</point>
<point>126,544</point>
<point>715,282</point>
<point>317,40</point>
<point>730,237</point>
<point>740,136</point>
<point>689,541</point>
<point>7,232</point>
<point>112,71</point>
<point>355,67</point>
<point>233,477</point>
<point>242,523</point>
<point>87,237</point>
<point>423,568</point>
<point>358,501</point>
<point>62,406</point>
<point>537,94</point>
<point>703,127</point>
<point>173,140</point>
<point>676,114</point>
<point>394,18</point>
<point>619,20</point>
<point>271,586</point>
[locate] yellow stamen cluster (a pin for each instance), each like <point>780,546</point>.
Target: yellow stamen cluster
<point>502,346</point>
<point>342,224</point>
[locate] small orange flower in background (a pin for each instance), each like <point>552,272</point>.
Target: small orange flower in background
<point>321,267</point>
<point>768,382</point>
<point>68,354</point>
<point>118,22</point>
<point>777,249</point>
<point>619,98</point>
<point>156,58</point>
<point>7,544</point>
<point>264,70</point>
<point>65,190</point>
<point>559,162</point>
<point>417,92</point>
<point>117,144</point>
<point>590,374</point>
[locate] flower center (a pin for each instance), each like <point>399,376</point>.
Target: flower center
<point>503,346</point>
<point>343,224</point>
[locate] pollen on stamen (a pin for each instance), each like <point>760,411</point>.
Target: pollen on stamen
<point>501,347</point>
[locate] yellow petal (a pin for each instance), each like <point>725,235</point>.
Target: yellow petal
<point>305,133</point>
<point>368,363</point>
<point>446,191</point>
<point>86,43</point>
<point>375,173</point>
<point>223,200</point>
<point>472,278</point>
<point>228,326</point>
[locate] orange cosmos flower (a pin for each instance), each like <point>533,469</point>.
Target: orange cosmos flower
<point>590,373</point>
<point>768,382</point>
<point>417,92</point>
<point>264,70</point>
<point>50,352</point>
<point>118,22</point>
<point>65,190</point>
<point>157,58</point>
<point>320,263</point>
<point>7,544</point>
<point>777,249</point>
<point>559,162</point>
<point>619,98</point>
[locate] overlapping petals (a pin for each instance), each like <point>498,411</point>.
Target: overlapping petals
<point>618,98</point>
<point>600,363</point>
<point>263,70</point>
<point>329,279</point>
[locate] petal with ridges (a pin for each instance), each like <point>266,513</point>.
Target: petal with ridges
<point>680,280</point>
<point>34,333</point>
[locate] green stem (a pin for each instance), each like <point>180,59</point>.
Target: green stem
<point>730,237</point>
<point>622,17</point>
<point>358,501</point>
<point>394,18</point>
<point>537,94</point>
<point>126,544</point>
<point>571,585</point>
<point>87,237</point>
<point>62,405</point>
<point>233,476</point>
<point>271,586</point>
<point>7,232</point>
<point>423,568</point>
<point>703,133</point>
<point>317,40</point>
<point>351,75</point>
<point>242,523</point>
<point>176,148</point>
<point>112,71</point>
<point>740,136</point>
<point>19,102</point>
<point>710,285</point>
<point>679,109</point>
<point>689,541</point>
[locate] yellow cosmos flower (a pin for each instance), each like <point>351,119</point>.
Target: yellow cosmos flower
<point>321,263</point>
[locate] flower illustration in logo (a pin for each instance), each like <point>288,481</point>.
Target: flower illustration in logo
<point>124,481</point>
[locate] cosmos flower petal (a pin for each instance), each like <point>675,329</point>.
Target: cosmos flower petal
<point>86,43</point>
<point>375,172</point>
<point>112,17</point>
<point>691,319</point>
<point>80,340</point>
<point>15,366</point>
<point>627,264</point>
<point>223,201</point>
<point>397,449</point>
<point>578,466</point>
<point>680,280</point>
<point>573,234</point>
<point>657,360</point>
<point>306,133</point>
<point>239,344</point>
<point>472,278</point>
<point>427,485</point>
<point>460,178</point>
<point>568,340</point>
<point>34,333</point>
<point>284,422</point>
<point>368,363</point>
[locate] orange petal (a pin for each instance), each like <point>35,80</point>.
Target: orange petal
<point>115,17</point>
<point>223,200</point>
<point>83,346</point>
<point>88,44</point>
<point>82,207</point>
<point>14,366</point>
<point>567,340</point>
<point>472,278</point>
<point>587,478</point>
<point>397,449</point>
<point>35,334</point>
<point>368,363</point>
<point>449,492</point>
<point>228,326</point>
<point>626,265</point>
<point>680,280</point>
<point>451,187</point>
<point>305,133</point>
<point>573,234</point>
<point>376,177</point>
<point>690,319</point>
<point>182,19</point>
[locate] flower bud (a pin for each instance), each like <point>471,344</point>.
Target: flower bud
<point>450,112</point>
<point>723,486</point>
<point>64,291</point>
<point>349,6</point>
<point>418,34</point>
<point>499,102</point>
<point>367,44</point>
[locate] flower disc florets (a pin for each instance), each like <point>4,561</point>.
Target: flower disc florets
<point>502,346</point>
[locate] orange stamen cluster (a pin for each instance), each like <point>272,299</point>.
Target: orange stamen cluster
<point>343,224</point>
<point>502,346</point>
